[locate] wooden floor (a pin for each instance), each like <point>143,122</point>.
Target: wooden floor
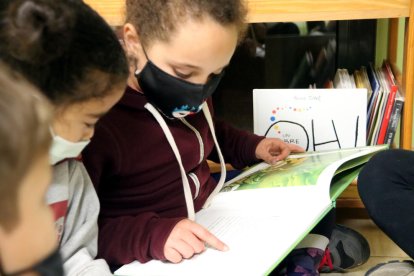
<point>382,248</point>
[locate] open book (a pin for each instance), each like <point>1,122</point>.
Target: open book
<point>265,212</point>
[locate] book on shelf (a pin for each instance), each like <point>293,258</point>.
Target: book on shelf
<point>315,119</point>
<point>380,107</point>
<point>394,118</point>
<point>265,212</point>
<point>362,80</point>
<point>373,100</point>
<point>389,82</point>
<point>342,79</point>
<point>358,80</point>
<point>384,100</point>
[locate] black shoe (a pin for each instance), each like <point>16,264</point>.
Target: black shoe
<point>347,249</point>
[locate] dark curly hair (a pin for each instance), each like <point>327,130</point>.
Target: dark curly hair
<point>158,19</point>
<point>63,47</point>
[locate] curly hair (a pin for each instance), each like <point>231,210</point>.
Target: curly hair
<point>158,19</point>
<point>64,48</point>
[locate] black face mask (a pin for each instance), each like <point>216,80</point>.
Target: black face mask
<point>174,97</point>
<point>50,266</point>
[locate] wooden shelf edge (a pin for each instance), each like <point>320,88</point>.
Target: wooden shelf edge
<point>291,11</point>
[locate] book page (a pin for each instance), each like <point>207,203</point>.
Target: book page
<point>257,243</point>
<point>292,180</point>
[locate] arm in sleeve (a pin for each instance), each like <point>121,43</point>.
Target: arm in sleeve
<point>238,146</point>
<point>129,238</point>
<point>102,157</point>
<point>123,239</point>
<point>79,241</point>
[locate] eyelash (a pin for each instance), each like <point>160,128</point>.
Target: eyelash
<point>187,76</point>
<point>181,75</point>
<point>89,125</point>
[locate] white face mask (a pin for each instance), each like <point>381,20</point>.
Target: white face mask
<point>62,149</point>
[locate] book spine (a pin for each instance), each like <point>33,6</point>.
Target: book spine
<point>373,80</point>
<point>387,115</point>
<point>393,124</point>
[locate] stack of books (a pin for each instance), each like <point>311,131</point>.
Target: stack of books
<point>385,100</point>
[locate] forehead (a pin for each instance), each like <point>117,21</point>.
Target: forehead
<point>202,42</point>
<point>93,107</point>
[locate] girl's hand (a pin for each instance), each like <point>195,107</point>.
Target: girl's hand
<point>272,150</point>
<point>187,239</point>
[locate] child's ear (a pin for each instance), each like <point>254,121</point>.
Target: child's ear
<point>131,40</point>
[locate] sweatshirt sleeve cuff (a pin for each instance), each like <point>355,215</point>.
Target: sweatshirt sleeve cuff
<point>250,152</point>
<point>161,231</point>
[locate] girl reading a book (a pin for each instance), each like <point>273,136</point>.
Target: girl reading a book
<point>148,158</point>
<point>68,51</point>
<point>155,176</point>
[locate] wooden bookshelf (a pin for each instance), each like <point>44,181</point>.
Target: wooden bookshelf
<point>294,10</point>
<point>112,10</point>
<point>312,10</point>
<point>291,10</point>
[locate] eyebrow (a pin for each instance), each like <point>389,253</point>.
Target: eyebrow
<point>194,66</point>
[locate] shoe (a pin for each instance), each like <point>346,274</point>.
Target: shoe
<point>396,268</point>
<point>300,262</point>
<point>347,249</point>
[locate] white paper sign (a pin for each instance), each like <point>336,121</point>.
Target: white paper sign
<point>316,119</point>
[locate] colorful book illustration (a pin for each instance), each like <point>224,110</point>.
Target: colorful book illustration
<point>265,212</point>
<point>315,119</point>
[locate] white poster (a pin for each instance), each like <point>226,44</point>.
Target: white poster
<point>316,119</point>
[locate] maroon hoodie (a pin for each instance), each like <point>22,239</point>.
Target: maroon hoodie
<point>138,180</point>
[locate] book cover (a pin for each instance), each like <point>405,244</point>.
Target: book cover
<point>264,213</point>
<point>378,109</point>
<point>315,119</point>
<point>393,88</point>
<point>365,79</point>
<point>394,118</point>
<point>373,100</point>
<point>362,81</point>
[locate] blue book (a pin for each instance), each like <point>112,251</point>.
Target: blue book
<point>375,85</point>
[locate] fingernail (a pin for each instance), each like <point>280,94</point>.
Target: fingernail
<point>226,248</point>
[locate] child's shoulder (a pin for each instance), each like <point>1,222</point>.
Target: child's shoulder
<point>69,169</point>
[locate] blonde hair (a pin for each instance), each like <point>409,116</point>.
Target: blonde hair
<point>25,118</point>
